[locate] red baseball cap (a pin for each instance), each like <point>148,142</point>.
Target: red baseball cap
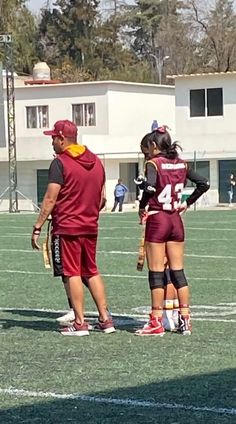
<point>64,128</point>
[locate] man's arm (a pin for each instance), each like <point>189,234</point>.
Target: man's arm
<point>47,206</point>
<point>103,199</point>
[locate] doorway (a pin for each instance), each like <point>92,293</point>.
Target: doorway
<point>226,167</point>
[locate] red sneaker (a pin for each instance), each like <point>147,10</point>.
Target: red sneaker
<point>153,327</point>
<point>185,326</point>
<point>75,329</point>
<point>105,326</point>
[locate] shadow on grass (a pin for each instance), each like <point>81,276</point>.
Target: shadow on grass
<point>124,323</point>
<point>38,325</point>
<point>34,313</point>
<point>208,398</point>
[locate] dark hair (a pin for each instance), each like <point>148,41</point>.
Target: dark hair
<point>163,142</point>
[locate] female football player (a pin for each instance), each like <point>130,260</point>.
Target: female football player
<point>166,174</point>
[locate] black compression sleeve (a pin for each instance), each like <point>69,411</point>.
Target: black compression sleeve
<point>151,176</point>
<point>202,185</point>
<point>55,173</point>
<point>144,200</point>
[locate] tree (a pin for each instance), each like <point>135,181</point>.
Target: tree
<point>17,20</point>
<point>158,31</point>
<point>70,26</point>
<point>217,38</point>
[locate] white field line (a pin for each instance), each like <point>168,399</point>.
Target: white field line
<point>187,239</point>
<point>119,252</point>
<point>122,252</point>
<point>132,226</point>
<point>116,401</point>
<point>209,229</point>
<point>118,316</point>
<point>13,271</point>
<point>202,240</point>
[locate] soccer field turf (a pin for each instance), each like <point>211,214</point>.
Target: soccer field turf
<point>118,378</point>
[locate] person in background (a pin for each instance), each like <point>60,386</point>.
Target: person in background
<point>166,174</point>
<point>154,125</point>
<point>230,188</point>
<point>74,197</point>
<point>119,195</point>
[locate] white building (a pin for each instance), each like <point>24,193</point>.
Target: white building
<point>205,112</point>
<point>112,117</point>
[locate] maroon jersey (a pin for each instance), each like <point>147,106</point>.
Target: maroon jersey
<point>81,178</point>
<point>170,181</point>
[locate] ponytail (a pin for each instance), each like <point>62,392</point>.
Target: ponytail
<point>172,151</point>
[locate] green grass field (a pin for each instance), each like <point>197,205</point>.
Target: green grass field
<point>118,378</point>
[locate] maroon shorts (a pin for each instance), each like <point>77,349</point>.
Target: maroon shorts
<point>164,226</point>
<point>74,255</point>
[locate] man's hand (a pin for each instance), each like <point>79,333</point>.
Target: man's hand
<point>34,238</point>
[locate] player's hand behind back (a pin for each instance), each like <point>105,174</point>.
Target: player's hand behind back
<point>183,207</point>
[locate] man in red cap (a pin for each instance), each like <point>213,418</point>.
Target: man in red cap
<point>74,197</point>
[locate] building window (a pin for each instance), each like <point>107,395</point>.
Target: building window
<point>197,103</point>
<point>214,102</point>
<point>37,116</point>
<point>207,102</point>
<point>42,182</point>
<point>202,167</point>
<point>83,114</point>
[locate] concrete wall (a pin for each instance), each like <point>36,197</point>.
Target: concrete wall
<point>213,135</point>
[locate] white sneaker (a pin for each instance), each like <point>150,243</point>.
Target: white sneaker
<point>69,319</point>
<point>168,321</point>
<point>66,318</point>
<point>175,317</point>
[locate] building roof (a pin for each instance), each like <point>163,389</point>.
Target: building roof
<point>201,74</point>
<point>21,84</point>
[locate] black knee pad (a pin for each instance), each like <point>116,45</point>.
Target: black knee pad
<point>156,279</point>
<point>167,276</point>
<point>178,278</point>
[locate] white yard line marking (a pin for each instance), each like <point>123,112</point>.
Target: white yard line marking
<point>191,255</point>
<point>18,250</point>
<point>142,313</point>
<point>15,235</point>
<point>119,252</point>
<point>209,229</point>
<point>202,240</point>
<point>116,401</point>
<point>138,276</point>
<point>14,271</point>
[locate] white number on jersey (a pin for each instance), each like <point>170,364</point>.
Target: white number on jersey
<point>166,199</point>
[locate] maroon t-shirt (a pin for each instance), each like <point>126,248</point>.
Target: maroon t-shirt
<point>81,178</point>
<point>170,181</point>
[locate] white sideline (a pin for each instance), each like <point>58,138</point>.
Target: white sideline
<point>138,276</point>
<point>139,316</point>
<point>123,252</point>
<point>135,226</point>
<point>190,255</point>
<point>116,401</point>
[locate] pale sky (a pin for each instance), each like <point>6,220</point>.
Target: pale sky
<point>35,5</point>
